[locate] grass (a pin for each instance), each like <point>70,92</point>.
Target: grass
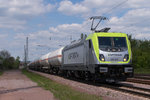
<point>142,71</point>
<point>61,92</point>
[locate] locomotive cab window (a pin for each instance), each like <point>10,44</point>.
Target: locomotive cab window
<point>112,44</point>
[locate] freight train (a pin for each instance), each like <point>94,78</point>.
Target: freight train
<point>102,56</point>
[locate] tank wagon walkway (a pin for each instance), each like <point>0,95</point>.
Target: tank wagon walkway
<point>16,86</point>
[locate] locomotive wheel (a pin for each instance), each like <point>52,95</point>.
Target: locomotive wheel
<point>87,76</point>
<point>68,74</point>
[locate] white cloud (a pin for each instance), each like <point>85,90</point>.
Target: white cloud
<point>134,22</point>
<point>67,30</point>
<point>15,13</point>
<point>11,23</point>
<point>143,36</point>
<point>68,8</point>
<point>138,3</point>
<point>25,7</point>
<point>88,8</point>
<point>3,36</point>
<point>130,16</point>
<point>50,39</point>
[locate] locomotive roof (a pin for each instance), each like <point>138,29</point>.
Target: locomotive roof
<point>101,34</point>
<point>106,34</point>
<point>74,43</point>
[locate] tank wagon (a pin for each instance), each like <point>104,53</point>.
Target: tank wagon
<point>100,56</point>
<point>49,62</point>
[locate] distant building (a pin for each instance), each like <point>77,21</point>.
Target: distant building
<point>22,64</point>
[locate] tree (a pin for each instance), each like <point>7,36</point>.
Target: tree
<point>17,62</point>
<point>7,61</point>
<point>140,52</point>
<point>4,54</point>
<point>1,62</point>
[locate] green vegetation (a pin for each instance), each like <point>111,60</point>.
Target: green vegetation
<point>7,61</point>
<point>1,72</point>
<point>141,55</point>
<point>61,92</point>
<point>142,71</point>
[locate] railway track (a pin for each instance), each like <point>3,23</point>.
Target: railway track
<point>142,77</point>
<point>122,87</point>
<point>139,80</point>
<point>130,89</point>
<point>135,87</point>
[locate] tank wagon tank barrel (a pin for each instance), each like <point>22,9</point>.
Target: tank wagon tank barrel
<point>49,62</point>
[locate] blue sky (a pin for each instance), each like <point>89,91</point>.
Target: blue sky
<point>61,19</point>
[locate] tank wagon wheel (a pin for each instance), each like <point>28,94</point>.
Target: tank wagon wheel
<point>60,72</point>
<point>47,70</point>
<point>50,69</point>
<point>42,70</point>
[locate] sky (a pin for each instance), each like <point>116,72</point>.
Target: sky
<point>51,24</point>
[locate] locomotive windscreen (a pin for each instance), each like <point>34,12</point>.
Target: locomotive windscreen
<point>112,43</point>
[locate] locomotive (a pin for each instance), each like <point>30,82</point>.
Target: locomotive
<point>102,56</point>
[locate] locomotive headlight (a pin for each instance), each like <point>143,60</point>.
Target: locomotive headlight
<point>101,57</point>
<point>126,57</point>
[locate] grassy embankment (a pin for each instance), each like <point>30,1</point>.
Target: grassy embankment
<point>61,92</point>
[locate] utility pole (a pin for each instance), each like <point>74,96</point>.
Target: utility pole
<point>25,55</point>
<point>26,52</point>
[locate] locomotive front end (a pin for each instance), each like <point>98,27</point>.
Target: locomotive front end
<point>114,56</point>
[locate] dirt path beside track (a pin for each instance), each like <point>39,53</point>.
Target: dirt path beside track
<point>16,86</point>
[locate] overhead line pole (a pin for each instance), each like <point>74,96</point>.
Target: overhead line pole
<point>26,52</point>
<point>24,55</point>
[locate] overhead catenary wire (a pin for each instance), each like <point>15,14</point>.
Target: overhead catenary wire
<point>110,10</point>
<point>107,12</point>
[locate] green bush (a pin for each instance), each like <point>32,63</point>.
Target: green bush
<point>7,61</point>
<point>140,54</point>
